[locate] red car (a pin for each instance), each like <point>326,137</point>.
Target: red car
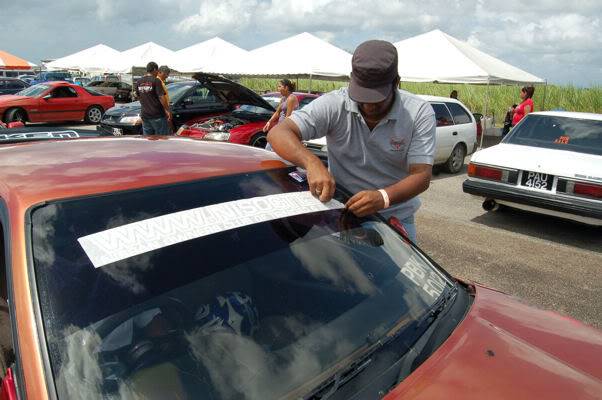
<point>243,126</point>
<point>169,268</point>
<point>55,101</point>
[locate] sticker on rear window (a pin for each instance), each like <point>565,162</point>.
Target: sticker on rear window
<point>129,240</point>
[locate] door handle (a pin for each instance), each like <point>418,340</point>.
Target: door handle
<point>455,133</point>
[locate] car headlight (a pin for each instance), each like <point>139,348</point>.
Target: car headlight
<point>219,136</point>
<point>134,120</point>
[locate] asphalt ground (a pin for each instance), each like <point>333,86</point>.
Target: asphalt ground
<point>548,262</point>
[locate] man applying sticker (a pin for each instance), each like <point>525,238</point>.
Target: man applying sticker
<point>381,140</point>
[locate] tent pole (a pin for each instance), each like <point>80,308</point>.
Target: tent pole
<point>545,90</point>
<point>485,115</point>
<point>309,90</point>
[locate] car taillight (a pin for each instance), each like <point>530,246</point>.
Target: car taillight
<point>492,173</point>
<point>588,189</point>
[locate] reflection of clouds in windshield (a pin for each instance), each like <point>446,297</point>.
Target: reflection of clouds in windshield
<point>325,259</point>
<point>125,272</point>
<point>240,368</point>
<point>43,235</point>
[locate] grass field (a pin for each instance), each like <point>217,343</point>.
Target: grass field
<point>568,98</point>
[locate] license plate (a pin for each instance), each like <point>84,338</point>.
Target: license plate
<point>117,131</point>
<point>537,180</point>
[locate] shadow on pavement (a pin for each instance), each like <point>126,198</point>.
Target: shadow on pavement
<point>544,227</point>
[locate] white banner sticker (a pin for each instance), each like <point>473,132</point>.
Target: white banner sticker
<point>129,240</point>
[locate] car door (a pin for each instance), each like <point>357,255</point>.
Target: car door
<point>446,132</point>
<point>61,104</point>
<point>465,125</point>
<point>198,101</point>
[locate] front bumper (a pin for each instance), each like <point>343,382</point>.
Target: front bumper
<point>107,128</point>
<point>544,201</point>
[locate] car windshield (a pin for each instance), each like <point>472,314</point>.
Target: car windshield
<point>266,296</point>
<point>249,109</point>
<point>561,133</point>
<point>33,91</point>
<point>57,76</point>
<point>178,89</point>
<point>273,100</point>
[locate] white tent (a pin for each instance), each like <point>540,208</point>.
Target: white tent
<point>208,56</point>
<point>99,58</point>
<point>299,55</point>
<point>438,57</point>
<point>141,55</point>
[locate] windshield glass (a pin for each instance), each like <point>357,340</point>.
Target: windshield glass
<point>273,100</point>
<point>561,133</point>
<point>178,89</point>
<point>34,90</point>
<point>250,311</point>
<point>248,109</point>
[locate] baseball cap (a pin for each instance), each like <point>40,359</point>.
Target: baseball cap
<point>373,70</point>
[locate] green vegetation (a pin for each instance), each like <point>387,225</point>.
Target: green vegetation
<point>569,98</point>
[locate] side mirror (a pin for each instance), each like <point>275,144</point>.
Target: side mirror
<point>397,226</point>
<point>47,97</point>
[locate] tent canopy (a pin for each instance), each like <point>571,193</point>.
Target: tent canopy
<point>99,58</point>
<point>299,55</point>
<point>208,56</point>
<point>141,55</point>
<point>9,61</point>
<point>438,57</point>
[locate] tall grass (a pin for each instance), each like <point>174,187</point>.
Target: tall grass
<point>569,98</point>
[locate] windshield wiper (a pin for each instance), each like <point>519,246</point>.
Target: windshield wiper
<point>439,306</point>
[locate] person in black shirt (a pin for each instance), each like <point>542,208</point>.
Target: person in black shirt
<point>155,112</point>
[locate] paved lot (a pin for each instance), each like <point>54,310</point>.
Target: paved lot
<point>550,263</point>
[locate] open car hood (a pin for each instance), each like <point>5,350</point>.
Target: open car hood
<point>231,92</point>
<point>505,349</point>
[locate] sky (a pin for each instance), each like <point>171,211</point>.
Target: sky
<point>556,40</point>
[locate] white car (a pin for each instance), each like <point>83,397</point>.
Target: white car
<point>550,163</point>
<point>456,134</point>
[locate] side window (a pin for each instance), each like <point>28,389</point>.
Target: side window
<point>7,356</point>
<point>459,113</point>
<point>14,85</point>
<point>306,101</point>
<point>63,92</point>
<point>442,114</point>
<point>199,96</point>
<point>2,84</point>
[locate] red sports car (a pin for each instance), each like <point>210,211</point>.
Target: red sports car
<point>54,101</point>
<point>243,126</point>
<point>185,269</point>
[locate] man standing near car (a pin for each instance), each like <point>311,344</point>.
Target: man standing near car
<point>381,140</point>
<point>155,112</point>
<point>163,74</point>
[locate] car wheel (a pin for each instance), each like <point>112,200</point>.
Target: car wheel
<point>259,140</point>
<point>456,159</point>
<point>93,115</point>
<point>16,115</point>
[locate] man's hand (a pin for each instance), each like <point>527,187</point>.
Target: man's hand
<point>321,182</point>
<point>366,202</point>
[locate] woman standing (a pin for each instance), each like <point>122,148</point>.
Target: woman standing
<point>524,108</point>
<point>288,103</point>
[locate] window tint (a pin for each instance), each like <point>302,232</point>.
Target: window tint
<point>442,114</point>
<point>64,91</point>
<point>306,101</point>
<point>460,115</point>
<point>200,95</point>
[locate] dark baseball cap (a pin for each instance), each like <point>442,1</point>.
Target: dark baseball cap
<point>373,70</point>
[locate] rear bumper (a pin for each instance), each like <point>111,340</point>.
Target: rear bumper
<point>537,200</point>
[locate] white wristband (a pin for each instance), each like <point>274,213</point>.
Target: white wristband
<point>383,193</point>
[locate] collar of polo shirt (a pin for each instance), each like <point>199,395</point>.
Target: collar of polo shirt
<point>393,114</point>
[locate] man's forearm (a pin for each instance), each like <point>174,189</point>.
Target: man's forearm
<point>410,186</point>
<point>165,104</point>
<point>288,145</point>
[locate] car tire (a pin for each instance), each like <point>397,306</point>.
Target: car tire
<point>16,115</point>
<point>455,162</point>
<point>259,140</point>
<point>93,115</point>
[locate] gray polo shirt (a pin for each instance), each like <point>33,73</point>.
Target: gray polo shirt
<point>360,159</point>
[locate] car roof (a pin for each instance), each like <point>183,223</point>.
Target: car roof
<point>32,173</point>
<point>438,98</point>
<point>571,114</point>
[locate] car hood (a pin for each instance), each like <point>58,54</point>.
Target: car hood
<point>505,349</point>
<point>231,92</point>
<point>536,159</point>
<point>132,108</point>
